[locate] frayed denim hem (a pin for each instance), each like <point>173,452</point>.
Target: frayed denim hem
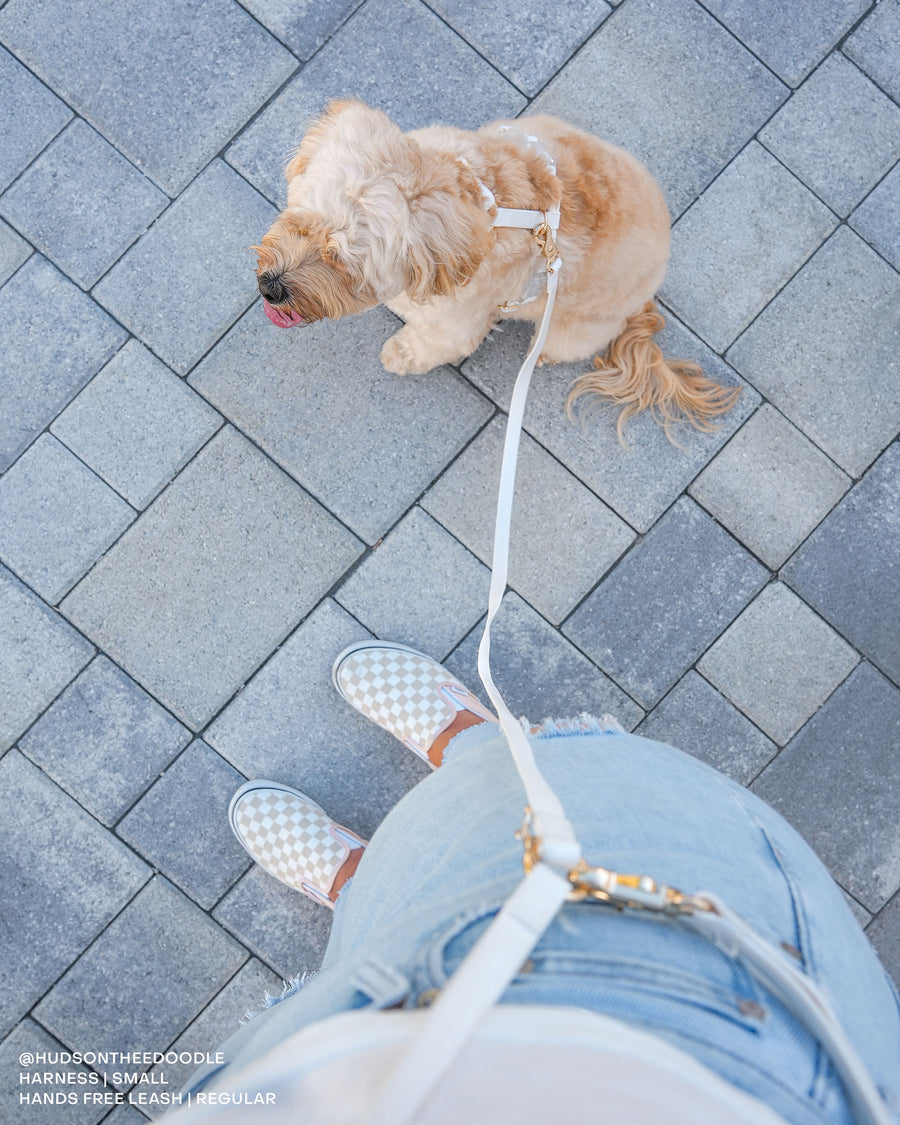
<point>581,724</point>
<point>290,988</point>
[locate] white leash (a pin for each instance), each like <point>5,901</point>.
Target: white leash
<point>553,862</point>
<point>485,973</point>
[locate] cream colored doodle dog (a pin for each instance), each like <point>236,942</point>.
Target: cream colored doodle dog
<point>375,215</point>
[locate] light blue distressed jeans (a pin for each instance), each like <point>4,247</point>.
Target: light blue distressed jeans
<point>446,857</point>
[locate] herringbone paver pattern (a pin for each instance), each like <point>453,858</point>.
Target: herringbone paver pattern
<point>197,512</point>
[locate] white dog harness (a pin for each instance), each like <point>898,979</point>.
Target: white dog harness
<point>542,224</point>
<point>554,866</point>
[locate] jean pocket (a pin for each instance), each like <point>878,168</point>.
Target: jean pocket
<point>647,971</point>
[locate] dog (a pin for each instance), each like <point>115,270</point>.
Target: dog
<point>375,215</point>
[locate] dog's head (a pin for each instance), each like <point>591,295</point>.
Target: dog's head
<point>370,215</point>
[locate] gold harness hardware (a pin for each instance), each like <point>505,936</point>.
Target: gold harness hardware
<point>632,892</point>
<point>543,236</point>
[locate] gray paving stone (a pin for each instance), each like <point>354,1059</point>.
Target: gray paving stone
<point>56,518</point>
<point>859,912</point>
<point>884,934</point>
<point>363,441</point>
<point>104,740</point>
<point>28,1037</point>
<point>445,587</point>
<point>564,539</point>
<point>191,255</point>
<point>39,654</point>
<point>30,116</point>
<point>125,1115</point>
<point>639,482</point>
<point>838,133</point>
<point>778,662</point>
<point>770,486</point>
<point>13,252</point>
<point>847,569</point>
<point>303,25</point>
<point>666,601</point>
<point>538,672</point>
<point>55,900</point>
<point>443,80</point>
<point>687,114</point>
<point>738,245</point>
<point>526,43</point>
<point>225,563</point>
<point>697,719</point>
<point>52,340</point>
<point>136,424</point>
<point>82,203</point>
<point>824,352</point>
<point>877,218</point>
<point>289,724</point>
<point>790,38</point>
<point>873,45</point>
<point>838,782</point>
<point>151,971</point>
<point>181,825</point>
<point>211,57</point>
<point>284,928</point>
<point>217,1022</point>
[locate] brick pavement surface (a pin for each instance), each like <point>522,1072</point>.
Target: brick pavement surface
<point>197,512</point>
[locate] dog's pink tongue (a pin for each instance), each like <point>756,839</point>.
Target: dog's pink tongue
<point>282,319</point>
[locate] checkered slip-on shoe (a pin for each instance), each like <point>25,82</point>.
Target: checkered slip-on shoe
<point>403,691</point>
<point>291,837</point>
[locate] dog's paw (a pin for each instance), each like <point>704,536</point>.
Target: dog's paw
<point>401,356</point>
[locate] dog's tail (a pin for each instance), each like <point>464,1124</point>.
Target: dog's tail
<point>634,374</point>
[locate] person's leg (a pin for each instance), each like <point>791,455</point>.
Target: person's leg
<point>638,807</point>
<point>446,856</point>
<point>424,706</point>
<point>408,693</point>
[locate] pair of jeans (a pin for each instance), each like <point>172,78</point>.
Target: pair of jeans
<point>446,857</point>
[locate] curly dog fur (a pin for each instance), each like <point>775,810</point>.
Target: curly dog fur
<point>378,216</point>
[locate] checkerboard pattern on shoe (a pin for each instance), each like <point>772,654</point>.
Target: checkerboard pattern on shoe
<point>403,691</point>
<point>291,837</point>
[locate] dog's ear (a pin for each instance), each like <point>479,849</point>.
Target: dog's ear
<point>449,233</point>
<point>299,162</point>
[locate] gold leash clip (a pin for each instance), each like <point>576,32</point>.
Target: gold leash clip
<point>543,235</point>
<point>633,892</point>
<point>530,843</point>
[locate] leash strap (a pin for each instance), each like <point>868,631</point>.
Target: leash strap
<point>560,848</point>
<point>496,958</point>
<point>555,869</point>
<point>476,986</point>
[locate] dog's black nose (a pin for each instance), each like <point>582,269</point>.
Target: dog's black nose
<point>273,288</point>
